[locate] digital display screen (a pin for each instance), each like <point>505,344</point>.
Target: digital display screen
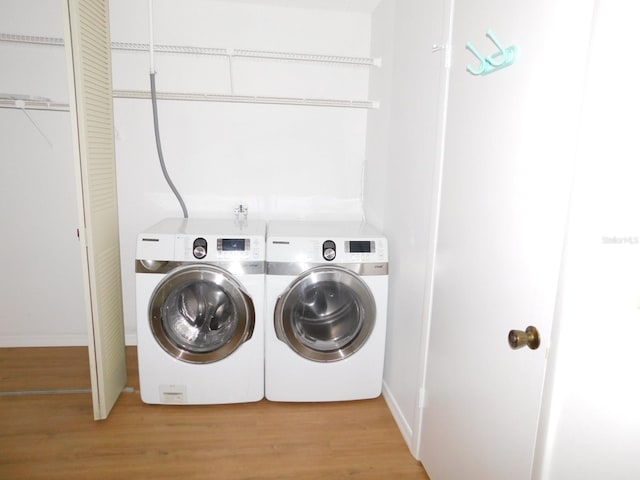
<point>233,244</point>
<point>359,247</point>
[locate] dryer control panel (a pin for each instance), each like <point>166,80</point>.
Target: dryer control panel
<point>307,244</point>
<point>327,250</point>
<point>352,249</point>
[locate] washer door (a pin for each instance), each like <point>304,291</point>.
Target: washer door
<point>326,314</point>
<point>200,314</point>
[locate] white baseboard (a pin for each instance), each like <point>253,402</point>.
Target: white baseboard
<point>80,340</point>
<point>401,421</point>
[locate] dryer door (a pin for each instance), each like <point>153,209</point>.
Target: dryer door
<point>326,314</point>
<point>201,314</point>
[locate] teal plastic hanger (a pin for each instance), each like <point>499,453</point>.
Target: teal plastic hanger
<point>504,57</point>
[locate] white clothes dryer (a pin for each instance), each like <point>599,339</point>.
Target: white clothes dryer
<point>200,308</point>
<point>326,296</point>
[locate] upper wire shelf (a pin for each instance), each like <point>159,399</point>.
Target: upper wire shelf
<point>190,50</point>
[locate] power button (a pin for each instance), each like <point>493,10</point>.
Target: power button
<point>329,250</point>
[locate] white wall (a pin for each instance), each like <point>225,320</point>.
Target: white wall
<point>591,421</point>
<point>40,286</point>
<point>402,173</point>
<point>282,161</point>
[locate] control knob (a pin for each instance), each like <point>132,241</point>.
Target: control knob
<point>329,250</point>
<point>200,248</point>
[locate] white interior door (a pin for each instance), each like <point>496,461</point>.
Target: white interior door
<point>509,147</point>
<point>88,49</point>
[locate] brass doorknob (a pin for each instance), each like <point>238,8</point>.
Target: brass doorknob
<point>528,338</point>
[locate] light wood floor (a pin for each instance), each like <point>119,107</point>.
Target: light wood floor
<point>51,436</point>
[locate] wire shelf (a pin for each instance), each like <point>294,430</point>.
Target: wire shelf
<point>192,50</point>
<point>206,97</point>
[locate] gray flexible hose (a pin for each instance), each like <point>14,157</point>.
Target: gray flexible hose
<point>156,129</point>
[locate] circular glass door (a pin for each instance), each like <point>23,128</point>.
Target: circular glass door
<point>200,314</point>
<point>326,314</point>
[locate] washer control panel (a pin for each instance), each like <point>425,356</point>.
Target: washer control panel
<point>203,240</point>
<point>212,248</point>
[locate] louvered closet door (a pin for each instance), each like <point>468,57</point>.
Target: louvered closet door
<point>87,44</point>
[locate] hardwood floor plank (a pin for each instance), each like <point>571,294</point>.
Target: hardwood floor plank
<point>54,436</point>
<point>64,368</point>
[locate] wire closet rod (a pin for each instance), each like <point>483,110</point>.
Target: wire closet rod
<point>206,97</point>
<point>189,50</point>
<point>23,103</point>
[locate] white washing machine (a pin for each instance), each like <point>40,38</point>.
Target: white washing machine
<point>200,310</point>
<point>326,297</point>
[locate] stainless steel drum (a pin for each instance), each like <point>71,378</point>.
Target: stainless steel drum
<point>201,314</point>
<point>326,314</point>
